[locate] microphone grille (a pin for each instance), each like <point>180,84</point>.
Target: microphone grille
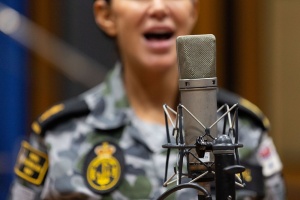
<point>196,56</point>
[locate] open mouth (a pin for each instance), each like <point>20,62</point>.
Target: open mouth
<point>158,36</point>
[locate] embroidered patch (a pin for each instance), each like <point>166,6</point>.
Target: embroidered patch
<point>268,157</point>
<point>104,167</point>
<point>32,164</point>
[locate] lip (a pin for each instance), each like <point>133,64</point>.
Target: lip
<point>159,46</point>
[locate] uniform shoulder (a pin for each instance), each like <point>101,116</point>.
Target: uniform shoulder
<point>246,108</point>
<point>59,113</point>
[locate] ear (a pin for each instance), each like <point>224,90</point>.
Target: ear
<point>104,18</point>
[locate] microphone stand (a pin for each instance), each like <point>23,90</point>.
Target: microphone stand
<point>226,159</point>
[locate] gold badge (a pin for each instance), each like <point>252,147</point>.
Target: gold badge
<point>32,164</point>
<point>104,167</point>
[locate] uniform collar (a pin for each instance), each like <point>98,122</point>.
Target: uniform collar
<point>108,102</point>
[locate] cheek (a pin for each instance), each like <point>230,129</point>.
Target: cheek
<point>127,14</point>
<point>127,26</point>
<point>184,16</point>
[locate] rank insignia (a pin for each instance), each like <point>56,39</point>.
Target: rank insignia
<point>32,164</point>
<point>104,167</point>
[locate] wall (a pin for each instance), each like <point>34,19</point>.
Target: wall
<point>280,71</point>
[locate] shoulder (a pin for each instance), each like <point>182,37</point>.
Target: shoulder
<point>246,108</point>
<point>59,113</point>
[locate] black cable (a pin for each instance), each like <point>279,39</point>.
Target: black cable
<point>185,185</point>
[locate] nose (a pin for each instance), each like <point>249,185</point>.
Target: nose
<point>158,9</point>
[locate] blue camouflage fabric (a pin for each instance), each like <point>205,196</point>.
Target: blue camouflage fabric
<point>66,153</point>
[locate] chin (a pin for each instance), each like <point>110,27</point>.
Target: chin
<point>162,67</point>
<point>161,62</point>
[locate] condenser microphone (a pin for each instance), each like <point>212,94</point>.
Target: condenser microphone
<point>198,90</point>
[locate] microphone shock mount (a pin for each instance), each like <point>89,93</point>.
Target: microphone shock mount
<point>224,171</point>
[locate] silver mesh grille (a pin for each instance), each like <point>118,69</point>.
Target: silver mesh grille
<point>196,56</point>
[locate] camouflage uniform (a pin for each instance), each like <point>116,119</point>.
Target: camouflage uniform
<point>94,147</point>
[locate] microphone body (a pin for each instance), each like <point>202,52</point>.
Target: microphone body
<point>198,91</point>
<point>210,156</point>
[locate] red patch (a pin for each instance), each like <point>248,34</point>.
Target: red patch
<point>265,152</point>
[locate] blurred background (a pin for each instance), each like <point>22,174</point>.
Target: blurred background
<point>51,50</point>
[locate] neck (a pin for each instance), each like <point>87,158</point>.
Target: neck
<point>149,91</point>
